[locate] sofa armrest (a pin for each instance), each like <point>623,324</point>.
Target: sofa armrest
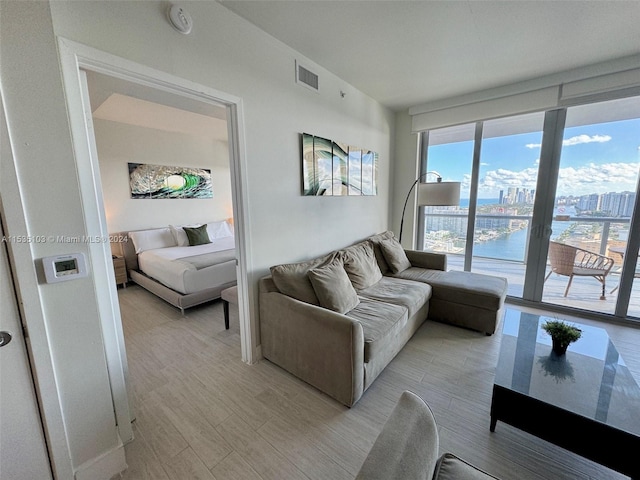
<point>319,346</point>
<point>429,260</point>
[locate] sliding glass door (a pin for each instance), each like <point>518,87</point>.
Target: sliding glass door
<point>508,174</point>
<point>594,205</point>
<point>538,185</point>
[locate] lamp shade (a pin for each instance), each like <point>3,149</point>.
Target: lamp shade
<point>439,194</point>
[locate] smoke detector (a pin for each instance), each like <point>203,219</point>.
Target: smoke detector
<point>180,19</point>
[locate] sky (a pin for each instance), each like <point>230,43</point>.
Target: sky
<point>597,158</point>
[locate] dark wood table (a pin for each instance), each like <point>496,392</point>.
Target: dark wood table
<point>586,401</point>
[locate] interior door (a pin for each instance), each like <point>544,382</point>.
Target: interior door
<point>23,455</point>
<point>23,451</point>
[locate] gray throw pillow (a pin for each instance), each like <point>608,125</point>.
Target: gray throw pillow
<point>292,279</point>
<point>197,235</point>
<point>361,265</point>
<point>333,287</point>
<point>394,255</point>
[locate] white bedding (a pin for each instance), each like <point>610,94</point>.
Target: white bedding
<point>170,266</point>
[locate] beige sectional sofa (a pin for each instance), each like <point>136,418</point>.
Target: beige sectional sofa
<point>338,320</point>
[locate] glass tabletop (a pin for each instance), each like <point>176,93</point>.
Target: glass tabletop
<point>591,379</point>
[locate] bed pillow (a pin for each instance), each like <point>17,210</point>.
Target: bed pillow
<point>394,255</point>
<point>197,235</point>
<point>219,230</point>
<point>144,240</point>
<point>180,235</point>
<point>333,288</point>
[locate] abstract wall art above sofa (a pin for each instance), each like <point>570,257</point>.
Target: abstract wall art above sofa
<point>162,181</point>
<point>332,168</point>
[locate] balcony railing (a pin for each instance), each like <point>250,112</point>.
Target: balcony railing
<point>603,234</point>
<point>597,234</point>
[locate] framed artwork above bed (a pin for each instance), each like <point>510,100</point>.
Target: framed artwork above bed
<point>148,181</point>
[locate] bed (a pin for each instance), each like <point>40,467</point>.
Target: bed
<point>162,261</point>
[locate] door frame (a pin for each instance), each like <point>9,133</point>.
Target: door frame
<point>75,57</point>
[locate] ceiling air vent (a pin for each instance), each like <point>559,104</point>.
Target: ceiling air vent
<point>306,77</point>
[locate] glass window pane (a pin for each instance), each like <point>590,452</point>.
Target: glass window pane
<point>450,153</point>
<point>508,174</point>
<point>595,195</point>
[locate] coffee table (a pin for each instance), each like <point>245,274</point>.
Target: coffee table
<point>586,401</point>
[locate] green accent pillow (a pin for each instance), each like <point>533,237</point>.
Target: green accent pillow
<point>197,235</point>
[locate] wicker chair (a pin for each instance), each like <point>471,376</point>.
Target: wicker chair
<point>577,262</point>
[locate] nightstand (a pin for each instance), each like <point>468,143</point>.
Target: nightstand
<point>120,269</point>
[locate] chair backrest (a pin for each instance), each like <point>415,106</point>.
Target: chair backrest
<point>407,447</point>
<point>562,258</point>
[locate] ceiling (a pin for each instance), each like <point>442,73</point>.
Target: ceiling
<point>406,53</point>
<point>126,102</point>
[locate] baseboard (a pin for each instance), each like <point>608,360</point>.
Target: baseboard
<point>105,466</point>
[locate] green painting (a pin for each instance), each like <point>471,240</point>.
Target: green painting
<point>161,181</point>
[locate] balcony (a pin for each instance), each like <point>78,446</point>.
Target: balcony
<point>503,252</point>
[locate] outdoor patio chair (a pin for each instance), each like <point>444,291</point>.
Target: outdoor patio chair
<point>577,262</point>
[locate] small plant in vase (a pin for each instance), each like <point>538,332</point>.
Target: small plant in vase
<point>562,334</point>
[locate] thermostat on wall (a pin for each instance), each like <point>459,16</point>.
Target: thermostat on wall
<point>64,267</point>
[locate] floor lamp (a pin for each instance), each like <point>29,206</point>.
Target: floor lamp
<point>433,194</point>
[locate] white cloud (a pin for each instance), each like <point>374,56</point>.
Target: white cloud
<point>585,139</point>
<point>501,179</point>
<point>577,140</point>
<point>589,178</point>
<point>593,178</point>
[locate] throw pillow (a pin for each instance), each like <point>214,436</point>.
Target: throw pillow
<point>375,240</point>
<point>292,279</point>
<point>394,255</point>
<point>361,265</point>
<point>333,287</point>
<point>197,235</point>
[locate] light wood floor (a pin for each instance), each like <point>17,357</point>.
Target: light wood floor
<point>203,414</point>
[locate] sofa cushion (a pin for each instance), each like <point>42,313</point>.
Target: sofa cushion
<point>409,294</point>
<point>381,323</point>
<point>361,265</point>
<point>465,288</point>
<point>292,279</point>
<point>450,467</point>
<point>333,288</point>
<point>394,255</point>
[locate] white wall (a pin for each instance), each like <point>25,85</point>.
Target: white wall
<point>119,143</point>
<point>229,54</point>
<point>62,319</point>
<point>223,52</point>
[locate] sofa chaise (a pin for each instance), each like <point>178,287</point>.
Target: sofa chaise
<point>338,320</point>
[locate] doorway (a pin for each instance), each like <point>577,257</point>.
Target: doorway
<point>74,59</point>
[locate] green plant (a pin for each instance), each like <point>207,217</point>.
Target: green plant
<point>562,332</point>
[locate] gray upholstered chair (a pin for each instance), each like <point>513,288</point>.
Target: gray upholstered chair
<point>407,448</point>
